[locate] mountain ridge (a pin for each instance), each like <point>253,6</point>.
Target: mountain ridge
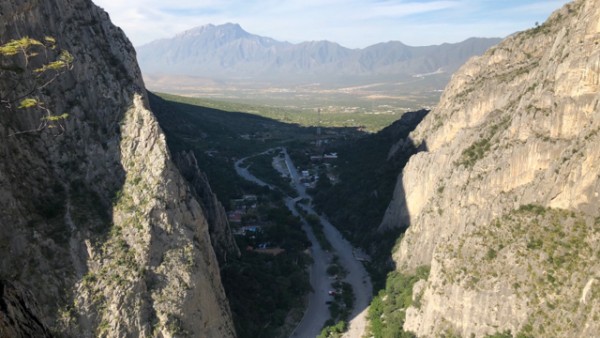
<point>227,51</point>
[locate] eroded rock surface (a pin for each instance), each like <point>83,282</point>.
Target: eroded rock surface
<point>515,129</point>
<point>96,221</point>
<point>19,317</point>
<point>220,231</point>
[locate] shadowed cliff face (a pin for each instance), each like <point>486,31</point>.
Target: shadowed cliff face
<point>220,232</point>
<point>503,205</point>
<point>96,221</point>
<point>367,175</point>
<point>19,317</point>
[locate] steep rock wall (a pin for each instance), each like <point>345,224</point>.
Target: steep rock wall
<point>96,221</point>
<point>220,231</point>
<point>515,127</point>
<point>19,316</point>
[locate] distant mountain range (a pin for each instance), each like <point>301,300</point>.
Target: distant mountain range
<point>227,52</point>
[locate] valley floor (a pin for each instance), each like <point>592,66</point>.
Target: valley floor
<point>317,311</point>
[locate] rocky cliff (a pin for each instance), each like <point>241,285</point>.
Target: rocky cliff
<point>96,222</point>
<point>503,202</point>
<point>220,231</point>
<point>19,314</point>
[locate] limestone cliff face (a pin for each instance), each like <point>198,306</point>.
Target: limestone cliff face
<point>96,221</point>
<point>502,203</point>
<point>19,314</point>
<point>220,231</point>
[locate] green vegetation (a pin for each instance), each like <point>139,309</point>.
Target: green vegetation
<point>16,59</point>
<point>367,178</point>
<point>261,167</point>
<point>340,308</point>
<point>266,292</point>
<point>368,175</point>
<point>175,326</point>
<point>545,253</point>
<point>263,289</point>
<point>553,22</point>
<point>301,117</point>
<point>475,152</point>
<point>317,228</point>
<point>388,309</point>
<point>218,138</point>
<point>335,269</point>
<point>342,303</point>
<point>532,208</point>
<point>119,271</point>
<point>504,334</point>
<point>334,331</point>
<point>479,149</point>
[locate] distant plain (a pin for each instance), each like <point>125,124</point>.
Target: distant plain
<point>369,106</point>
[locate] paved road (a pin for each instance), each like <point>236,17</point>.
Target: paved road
<point>357,274</point>
<point>247,175</point>
<point>294,175</point>
<point>317,311</point>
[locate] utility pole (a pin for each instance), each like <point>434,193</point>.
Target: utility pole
<point>318,143</point>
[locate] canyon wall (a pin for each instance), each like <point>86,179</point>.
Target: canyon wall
<point>503,202</point>
<point>96,221</point>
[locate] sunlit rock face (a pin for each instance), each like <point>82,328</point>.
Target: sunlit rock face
<point>503,202</point>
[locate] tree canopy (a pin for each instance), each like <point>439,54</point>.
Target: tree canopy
<point>27,66</point>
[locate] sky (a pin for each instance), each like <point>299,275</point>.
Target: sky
<point>351,23</point>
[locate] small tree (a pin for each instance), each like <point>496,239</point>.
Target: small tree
<point>26,68</point>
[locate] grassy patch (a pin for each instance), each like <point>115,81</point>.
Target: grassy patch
<point>474,152</point>
<point>388,309</point>
<point>478,149</point>
<point>339,311</point>
<point>317,227</point>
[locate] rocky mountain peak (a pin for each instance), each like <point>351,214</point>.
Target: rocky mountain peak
<point>228,52</point>
<point>510,166</point>
<point>225,32</point>
<point>98,225</point>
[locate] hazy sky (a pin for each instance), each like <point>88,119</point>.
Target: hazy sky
<point>352,23</point>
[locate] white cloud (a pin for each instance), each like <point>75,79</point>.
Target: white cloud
<point>353,23</point>
<point>409,8</point>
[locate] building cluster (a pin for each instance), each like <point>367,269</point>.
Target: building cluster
<point>245,221</point>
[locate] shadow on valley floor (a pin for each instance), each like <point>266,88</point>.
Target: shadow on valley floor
<point>261,289</point>
<point>369,169</point>
<point>365,175</point>
<point>370,181</point>
<point>218,138</point>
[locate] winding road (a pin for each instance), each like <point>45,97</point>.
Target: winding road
<point>317,311</point>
